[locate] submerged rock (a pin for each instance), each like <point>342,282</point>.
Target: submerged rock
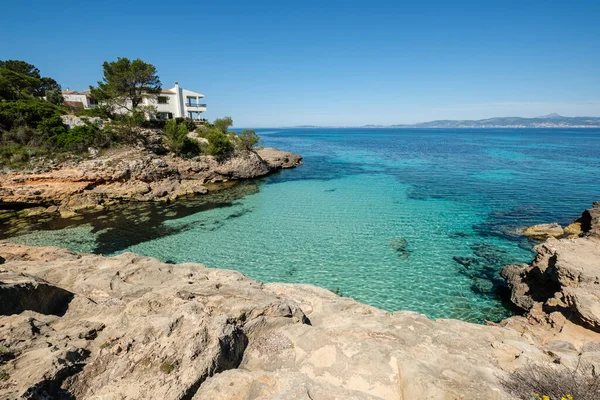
<point>467,261</point>
<point>491,254</point>
<point>400,245</point>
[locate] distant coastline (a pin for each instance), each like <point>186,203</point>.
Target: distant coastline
<point>545,121</point>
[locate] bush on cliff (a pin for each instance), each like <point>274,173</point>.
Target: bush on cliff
<point>81,138</point>
<point>189,123</point>
<point>246,140</point>
<point>541,382</point>
<point>219,145</point>
<point>26,112</point>
<point>222,143</point>
<point>178,141</point>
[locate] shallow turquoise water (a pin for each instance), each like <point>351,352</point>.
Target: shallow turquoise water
<point>378,215</point>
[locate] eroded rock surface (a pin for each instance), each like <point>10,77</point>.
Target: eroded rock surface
<point>563,282</point>
<point>133,175</point>
<point>137,328</point>
<point>544,231</point>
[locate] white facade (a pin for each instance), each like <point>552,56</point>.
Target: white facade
<point>79,97</point>
<point>172,103</point>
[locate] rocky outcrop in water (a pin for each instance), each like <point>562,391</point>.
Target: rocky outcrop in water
<point>581,226</point>
<point>133,175</point>
<point>131,327</point>
<point>544,231</point>
<point>563,282</point>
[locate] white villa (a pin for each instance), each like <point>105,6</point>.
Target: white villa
<point>171,103</point>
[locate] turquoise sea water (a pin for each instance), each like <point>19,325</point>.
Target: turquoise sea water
<point>400,219</point>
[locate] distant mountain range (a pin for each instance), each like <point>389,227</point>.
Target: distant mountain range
<point>544,121</point>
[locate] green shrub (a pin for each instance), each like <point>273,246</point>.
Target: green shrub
<point>154,124</point>
<point>219,145</point>
<point>246,140</point>
<point>80,138</point>
<point>178,141</point>
<point>21,134</point>
<point>49,129</point>
<point>14,155</point>
<point>223,124</point>
<point>189,123</point>
<point>54,96</point>
<point>26,112</point>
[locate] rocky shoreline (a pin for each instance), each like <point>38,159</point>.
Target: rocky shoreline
<point>130,327</point>
<point>135,174</point>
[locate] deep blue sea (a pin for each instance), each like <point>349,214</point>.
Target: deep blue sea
<point>401,219</point>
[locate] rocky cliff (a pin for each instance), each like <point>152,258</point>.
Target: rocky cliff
<point>130,327</point>
<point>563,282</point>
<point>132,175</point>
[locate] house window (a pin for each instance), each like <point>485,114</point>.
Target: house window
<point>163,100</point>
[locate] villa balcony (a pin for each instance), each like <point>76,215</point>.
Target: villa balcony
<point>195,108</point>
<point>195,105</point>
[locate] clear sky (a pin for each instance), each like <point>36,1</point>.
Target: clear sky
<point>284,63</point>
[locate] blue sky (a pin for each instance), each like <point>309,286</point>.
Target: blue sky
<point>341,63</point>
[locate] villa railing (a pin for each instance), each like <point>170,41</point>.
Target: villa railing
<point>195,105</point>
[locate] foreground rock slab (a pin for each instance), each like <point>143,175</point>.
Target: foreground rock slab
<point>131,327</point>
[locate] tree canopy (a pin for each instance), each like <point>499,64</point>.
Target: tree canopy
<point>20,80</point>
<point>126,83</point>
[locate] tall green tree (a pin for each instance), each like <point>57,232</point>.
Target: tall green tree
<point>21,67</point>
<point>126,83</point>
<point>54,96</point>
<point>20,80</point>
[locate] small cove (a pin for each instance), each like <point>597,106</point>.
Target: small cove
<point>420,220</point>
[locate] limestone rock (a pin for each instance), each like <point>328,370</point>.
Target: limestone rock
<point>586,303</point>
<point>278,159</point>
<point>573,230</point>
<point>72,121</point>
<point>564,277</point>
<point>590,220</point>
<point>132,175</point>
<point>137,328</point>
<point>544,231</point>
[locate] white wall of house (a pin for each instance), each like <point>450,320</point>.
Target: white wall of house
<point>176,102</point>
<point>77,98</point>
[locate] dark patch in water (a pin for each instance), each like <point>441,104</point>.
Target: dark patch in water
<point>238,214</point>
<point>483,269</point>
<point>456,235</point>
<point>126,225</point>
<point>400,245</point>
<point>329,190</point>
